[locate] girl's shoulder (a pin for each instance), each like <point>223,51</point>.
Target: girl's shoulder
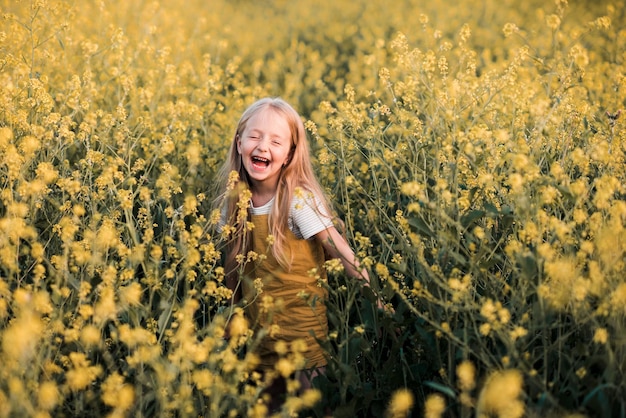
<point>307,198</point>
<point>308,214</point>
<point>302,195</point>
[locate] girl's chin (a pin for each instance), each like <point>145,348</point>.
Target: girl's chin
<point>260,174</point>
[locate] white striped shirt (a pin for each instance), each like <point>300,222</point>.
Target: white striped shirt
<point>307,216</point>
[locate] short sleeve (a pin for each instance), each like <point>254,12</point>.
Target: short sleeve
<point>308,216</point>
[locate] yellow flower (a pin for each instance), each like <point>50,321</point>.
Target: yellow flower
<point>479,233</point>
<point>105,307</point>
<point>46,172</point>
<point>488,310</point>
<point>90,336</point>
<point>156,252</point>
<point>401,404</point>
<point>609,242</point>
<point>334,265</point>
<point>434,406</point>
<point>193,154</point>
<point>6,135</point>
<point>82,374</point>
<point>203,379</point>
<point>411,188</point>
<point>37,251</point>
<point>281,347</point>
<point>549,194</point>
<point>4,311</point>
<point>465,33</point>
<point>238,325</point>
<point>285,367</point>
<point>310,397</point>
<point>518,332</point>
<point>578,54</point>
<point>600,336</point>
<point>107,236</point>
<point>116,393</point>
<point>131,295</point>
<point>509,29</point>
<point>48,395</point>
<point>143,355</point>
<point>29,145</point>
<point>258,410</point>
<point>466,373</point>
<point>41,303</point>
<point>190,205</point>
<point>299,345</point>
<point>504,315</point>
<point>516,181</point>
<point>384,75</point>
<point>110,387</point>
<point>382,271</point>
<point>562,273</point>
<point>553,21</point>
<point>21,337</point>
<point>267,304</point>
<point>167,145</point>
<point>501,396</point>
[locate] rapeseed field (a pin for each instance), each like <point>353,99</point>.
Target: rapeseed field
<point>475,151</point>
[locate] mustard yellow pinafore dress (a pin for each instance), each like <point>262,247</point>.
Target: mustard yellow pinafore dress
<point>295,316</point>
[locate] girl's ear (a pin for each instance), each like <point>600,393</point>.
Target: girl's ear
<point>238,140</point>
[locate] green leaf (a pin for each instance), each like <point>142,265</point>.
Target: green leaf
<point>441,388</point>
<point>354,349</point>
<point>398,267</point>
<point>491,209</point>
<point>471,217</point>
<point>420,226</point>
<point>598,401</point>
<point>529,267</point>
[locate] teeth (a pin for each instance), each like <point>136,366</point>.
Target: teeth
<point>260,159</point>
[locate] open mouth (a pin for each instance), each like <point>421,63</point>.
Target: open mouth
<point>260,162</point>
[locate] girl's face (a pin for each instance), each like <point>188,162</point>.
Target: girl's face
<point>265,147</point>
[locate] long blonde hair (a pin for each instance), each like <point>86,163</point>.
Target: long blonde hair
<point>297,173</point>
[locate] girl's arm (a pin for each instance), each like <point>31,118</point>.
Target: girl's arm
<point>336,246</point>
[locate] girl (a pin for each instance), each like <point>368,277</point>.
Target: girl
<point>279,234</point>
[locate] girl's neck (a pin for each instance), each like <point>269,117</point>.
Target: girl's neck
<point>261,197</point>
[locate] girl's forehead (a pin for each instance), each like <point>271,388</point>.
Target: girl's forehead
<point>268,118</point>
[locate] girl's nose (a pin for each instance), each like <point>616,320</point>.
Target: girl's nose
<point>263,144</point>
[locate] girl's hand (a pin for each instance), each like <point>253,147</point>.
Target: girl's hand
<point>379,300</point>
<point>336,246</point>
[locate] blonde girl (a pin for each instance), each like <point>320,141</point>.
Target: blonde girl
<point>279,227</point>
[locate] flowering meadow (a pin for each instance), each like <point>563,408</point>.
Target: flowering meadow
<point>475,151</point>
